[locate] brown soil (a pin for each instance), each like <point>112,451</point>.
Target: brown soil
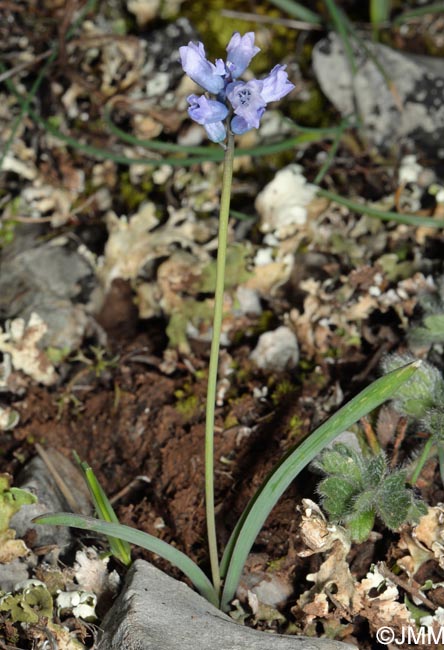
<point>129,424</point>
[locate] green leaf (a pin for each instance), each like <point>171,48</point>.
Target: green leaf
<point>341,23</point>
<point>432,332</point>
<point>285,472</point>
<point>297,10</point>
<point>393,500</point>
<point>379,11</point>
<point>417,613</point>
<point>104,510</point>
<point>361,526</point>
<point>434,7</point>
<point>336,495</point>
<point>138,537</point>
<point>375,470</point>
<point>383,215</point>
<point>363,502</point>
<point>336,460</point>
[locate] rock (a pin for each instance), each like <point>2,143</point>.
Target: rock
<point>36,478</point>
<point>156,612</point>
<point>413,107</point>
<point>282,204</point>
<point>49,279</point>
<point>277,350</point>
<point>12,573</point>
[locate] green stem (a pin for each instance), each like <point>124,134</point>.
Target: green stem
<point>214,360</point>
<point>384,215</point>
<point>422,460</point>
<point>441,461</point>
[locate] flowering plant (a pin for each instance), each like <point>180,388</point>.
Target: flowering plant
<point>237,107</point>
<point>246,100</point>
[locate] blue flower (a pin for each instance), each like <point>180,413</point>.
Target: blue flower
<point>206,111</point>
<point>241,50</point>
<point>210,114</point>
<point>247,100</point>
<point>250,99</point>
<point>276,85</point>
<point>204,73</point>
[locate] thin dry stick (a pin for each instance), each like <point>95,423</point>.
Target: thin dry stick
<point>57,479</point>
<point>401,429</point>
<point>22,66</point>
<point>286,22</point>
<point>413,589</point>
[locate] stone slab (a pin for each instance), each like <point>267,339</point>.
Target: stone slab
<point>412,109</point>
<point>156,612</point>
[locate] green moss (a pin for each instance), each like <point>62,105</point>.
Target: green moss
<point>236,269</point>
<point>265,322</point>
<point>282,390</point>
<point>296,427</point>
<point>131,195</point>
<point>188,407</point>
<point>192,311</point>
<point>277,564</point>
<point>230,421</point>
<point>7,232</point>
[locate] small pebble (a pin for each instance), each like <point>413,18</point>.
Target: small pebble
<point>277,350</point>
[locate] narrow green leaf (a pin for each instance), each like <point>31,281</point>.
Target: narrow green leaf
<point>340,23</point>
<point>138,537</point>
<point>298,11</point>
<point>285,472</point>
<point>104,510</point>
<point>434,7</point>
<point>379,12</point>
<point>383,215</point>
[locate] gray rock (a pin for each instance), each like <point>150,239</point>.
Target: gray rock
<point>50,279</point>
<point>12,573</point>
<point>156,612</point>
<point>36,478</point>
<point>276,350</point>
<point>414,108</point>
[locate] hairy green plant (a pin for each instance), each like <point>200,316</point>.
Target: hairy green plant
<point>431,329</point>
<point>236,108</point>
<point>422,398</point>
<point>422,392</point>
<point>358,488</point>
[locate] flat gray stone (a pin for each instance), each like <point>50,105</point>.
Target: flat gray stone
<point>12,573</point>
<point>36,478</point>
<point>413,110</point>
<point>52,279</point>
<point>156,612</point>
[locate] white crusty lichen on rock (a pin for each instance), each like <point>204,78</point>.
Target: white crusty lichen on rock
<point>20,342</point>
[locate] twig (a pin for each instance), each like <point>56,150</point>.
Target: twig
<point>401,429</point>
<point>286,22</point>
<point>57,478</point>
<point>127,488</point>
<point>22,66</point>
<point>413,589</point>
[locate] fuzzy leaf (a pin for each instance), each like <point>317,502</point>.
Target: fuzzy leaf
<point>375,470</point>
<point>432,332</point>
<point>337,494</point>
<point>361,525</point>
<point>393,500</point>
<point>340,460</point>
<point>363,502</point>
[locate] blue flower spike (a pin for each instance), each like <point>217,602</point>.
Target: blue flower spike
<point>240,103</point>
